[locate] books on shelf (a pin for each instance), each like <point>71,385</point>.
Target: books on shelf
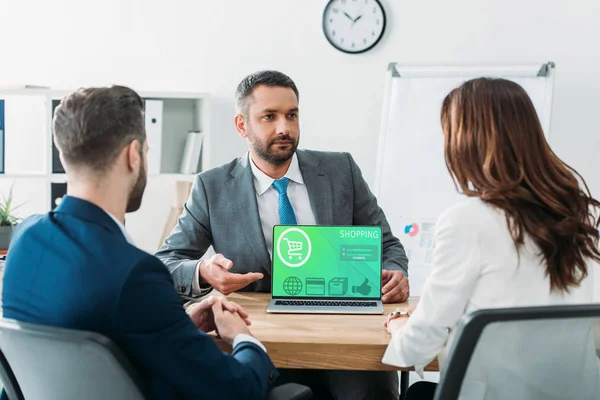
<point>191,153</point>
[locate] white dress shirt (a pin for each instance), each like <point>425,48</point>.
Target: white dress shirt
<point>239,338</point>
<point>122,228</point>
<point>268,199</point>
<point>476,266</point>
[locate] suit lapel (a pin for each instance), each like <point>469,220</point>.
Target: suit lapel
<point>318,187</point>
<point>243,194</point>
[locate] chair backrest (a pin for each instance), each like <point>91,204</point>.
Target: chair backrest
<point>9,381</point>
<point>527,353</point>
<point>54,363</point>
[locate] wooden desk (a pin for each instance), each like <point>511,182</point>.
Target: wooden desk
<point>346,342</point>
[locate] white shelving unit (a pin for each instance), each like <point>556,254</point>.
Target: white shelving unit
<point>30,167</point>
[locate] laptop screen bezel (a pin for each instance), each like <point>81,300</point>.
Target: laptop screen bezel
<point>363,298</point>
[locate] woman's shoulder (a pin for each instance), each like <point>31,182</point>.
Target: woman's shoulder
<point>470,212</point>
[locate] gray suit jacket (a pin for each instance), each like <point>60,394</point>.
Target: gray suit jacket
<point>222,211</point>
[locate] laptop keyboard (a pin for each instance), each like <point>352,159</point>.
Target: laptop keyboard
<point>325,303</point>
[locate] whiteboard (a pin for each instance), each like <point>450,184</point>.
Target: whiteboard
<point>412,183</point>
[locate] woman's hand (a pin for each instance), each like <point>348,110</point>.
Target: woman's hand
<point>398,318</point>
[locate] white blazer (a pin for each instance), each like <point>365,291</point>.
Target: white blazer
<point>475,266</point>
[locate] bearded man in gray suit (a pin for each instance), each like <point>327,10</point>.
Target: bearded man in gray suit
<point>234,207</point>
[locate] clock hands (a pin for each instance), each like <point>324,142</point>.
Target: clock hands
<point>357,18</point>
<point>360,16</point>
<point>354,19</point>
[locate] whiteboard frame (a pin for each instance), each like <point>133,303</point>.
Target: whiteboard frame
<point>397,71</point>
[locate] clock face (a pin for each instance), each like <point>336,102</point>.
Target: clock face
<point>353,26</point>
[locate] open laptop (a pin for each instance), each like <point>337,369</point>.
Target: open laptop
<point>326,269</point>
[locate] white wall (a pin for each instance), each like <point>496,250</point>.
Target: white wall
<point>208,46</point>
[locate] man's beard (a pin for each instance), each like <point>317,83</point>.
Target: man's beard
<point>137,192</point>
<point>265,152</point>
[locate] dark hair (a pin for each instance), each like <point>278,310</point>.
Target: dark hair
<point>266,78</point>
<point>494,141</point>
<point>91,126</point>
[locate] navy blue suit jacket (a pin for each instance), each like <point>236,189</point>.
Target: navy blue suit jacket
<point>73,268</point>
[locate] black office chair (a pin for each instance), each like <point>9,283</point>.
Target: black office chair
<point>542,345</point>
<point>8,380</point>
<point>289,391</point>
<point>55,363</point>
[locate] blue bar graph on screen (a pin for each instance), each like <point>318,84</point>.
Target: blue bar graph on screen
<point>1,136</point>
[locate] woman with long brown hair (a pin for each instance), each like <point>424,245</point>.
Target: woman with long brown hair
<point>527,235</point>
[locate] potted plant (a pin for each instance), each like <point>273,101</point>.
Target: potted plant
<point>7,220</point>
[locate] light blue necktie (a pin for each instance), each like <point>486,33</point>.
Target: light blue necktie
<point>286,212</point>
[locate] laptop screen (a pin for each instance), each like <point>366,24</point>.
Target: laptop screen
<point>327,261</point>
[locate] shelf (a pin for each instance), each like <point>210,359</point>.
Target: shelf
<point>63,177</point>
<point>32,149</point>
<point>20,176</point>
<point>173,95</point>
<point>58,177</point>
<point>175,177</point>
<point>23,90</point>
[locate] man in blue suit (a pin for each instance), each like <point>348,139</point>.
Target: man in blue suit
<point>76,267</point>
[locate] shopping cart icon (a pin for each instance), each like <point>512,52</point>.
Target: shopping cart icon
<point>298,249</point>
<point>294,248</point>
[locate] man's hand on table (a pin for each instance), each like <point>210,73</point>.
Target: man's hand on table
<point>395,287</point>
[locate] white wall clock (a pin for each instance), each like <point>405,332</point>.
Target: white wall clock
<point>354,26</point>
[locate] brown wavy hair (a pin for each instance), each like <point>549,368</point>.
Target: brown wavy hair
<point>495,149</point>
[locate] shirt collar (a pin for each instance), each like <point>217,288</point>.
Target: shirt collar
<point>122,228</point>
<point>262,181</point>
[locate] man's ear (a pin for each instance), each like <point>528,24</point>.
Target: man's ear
<point>133,155</point>
<point>240,124</point>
